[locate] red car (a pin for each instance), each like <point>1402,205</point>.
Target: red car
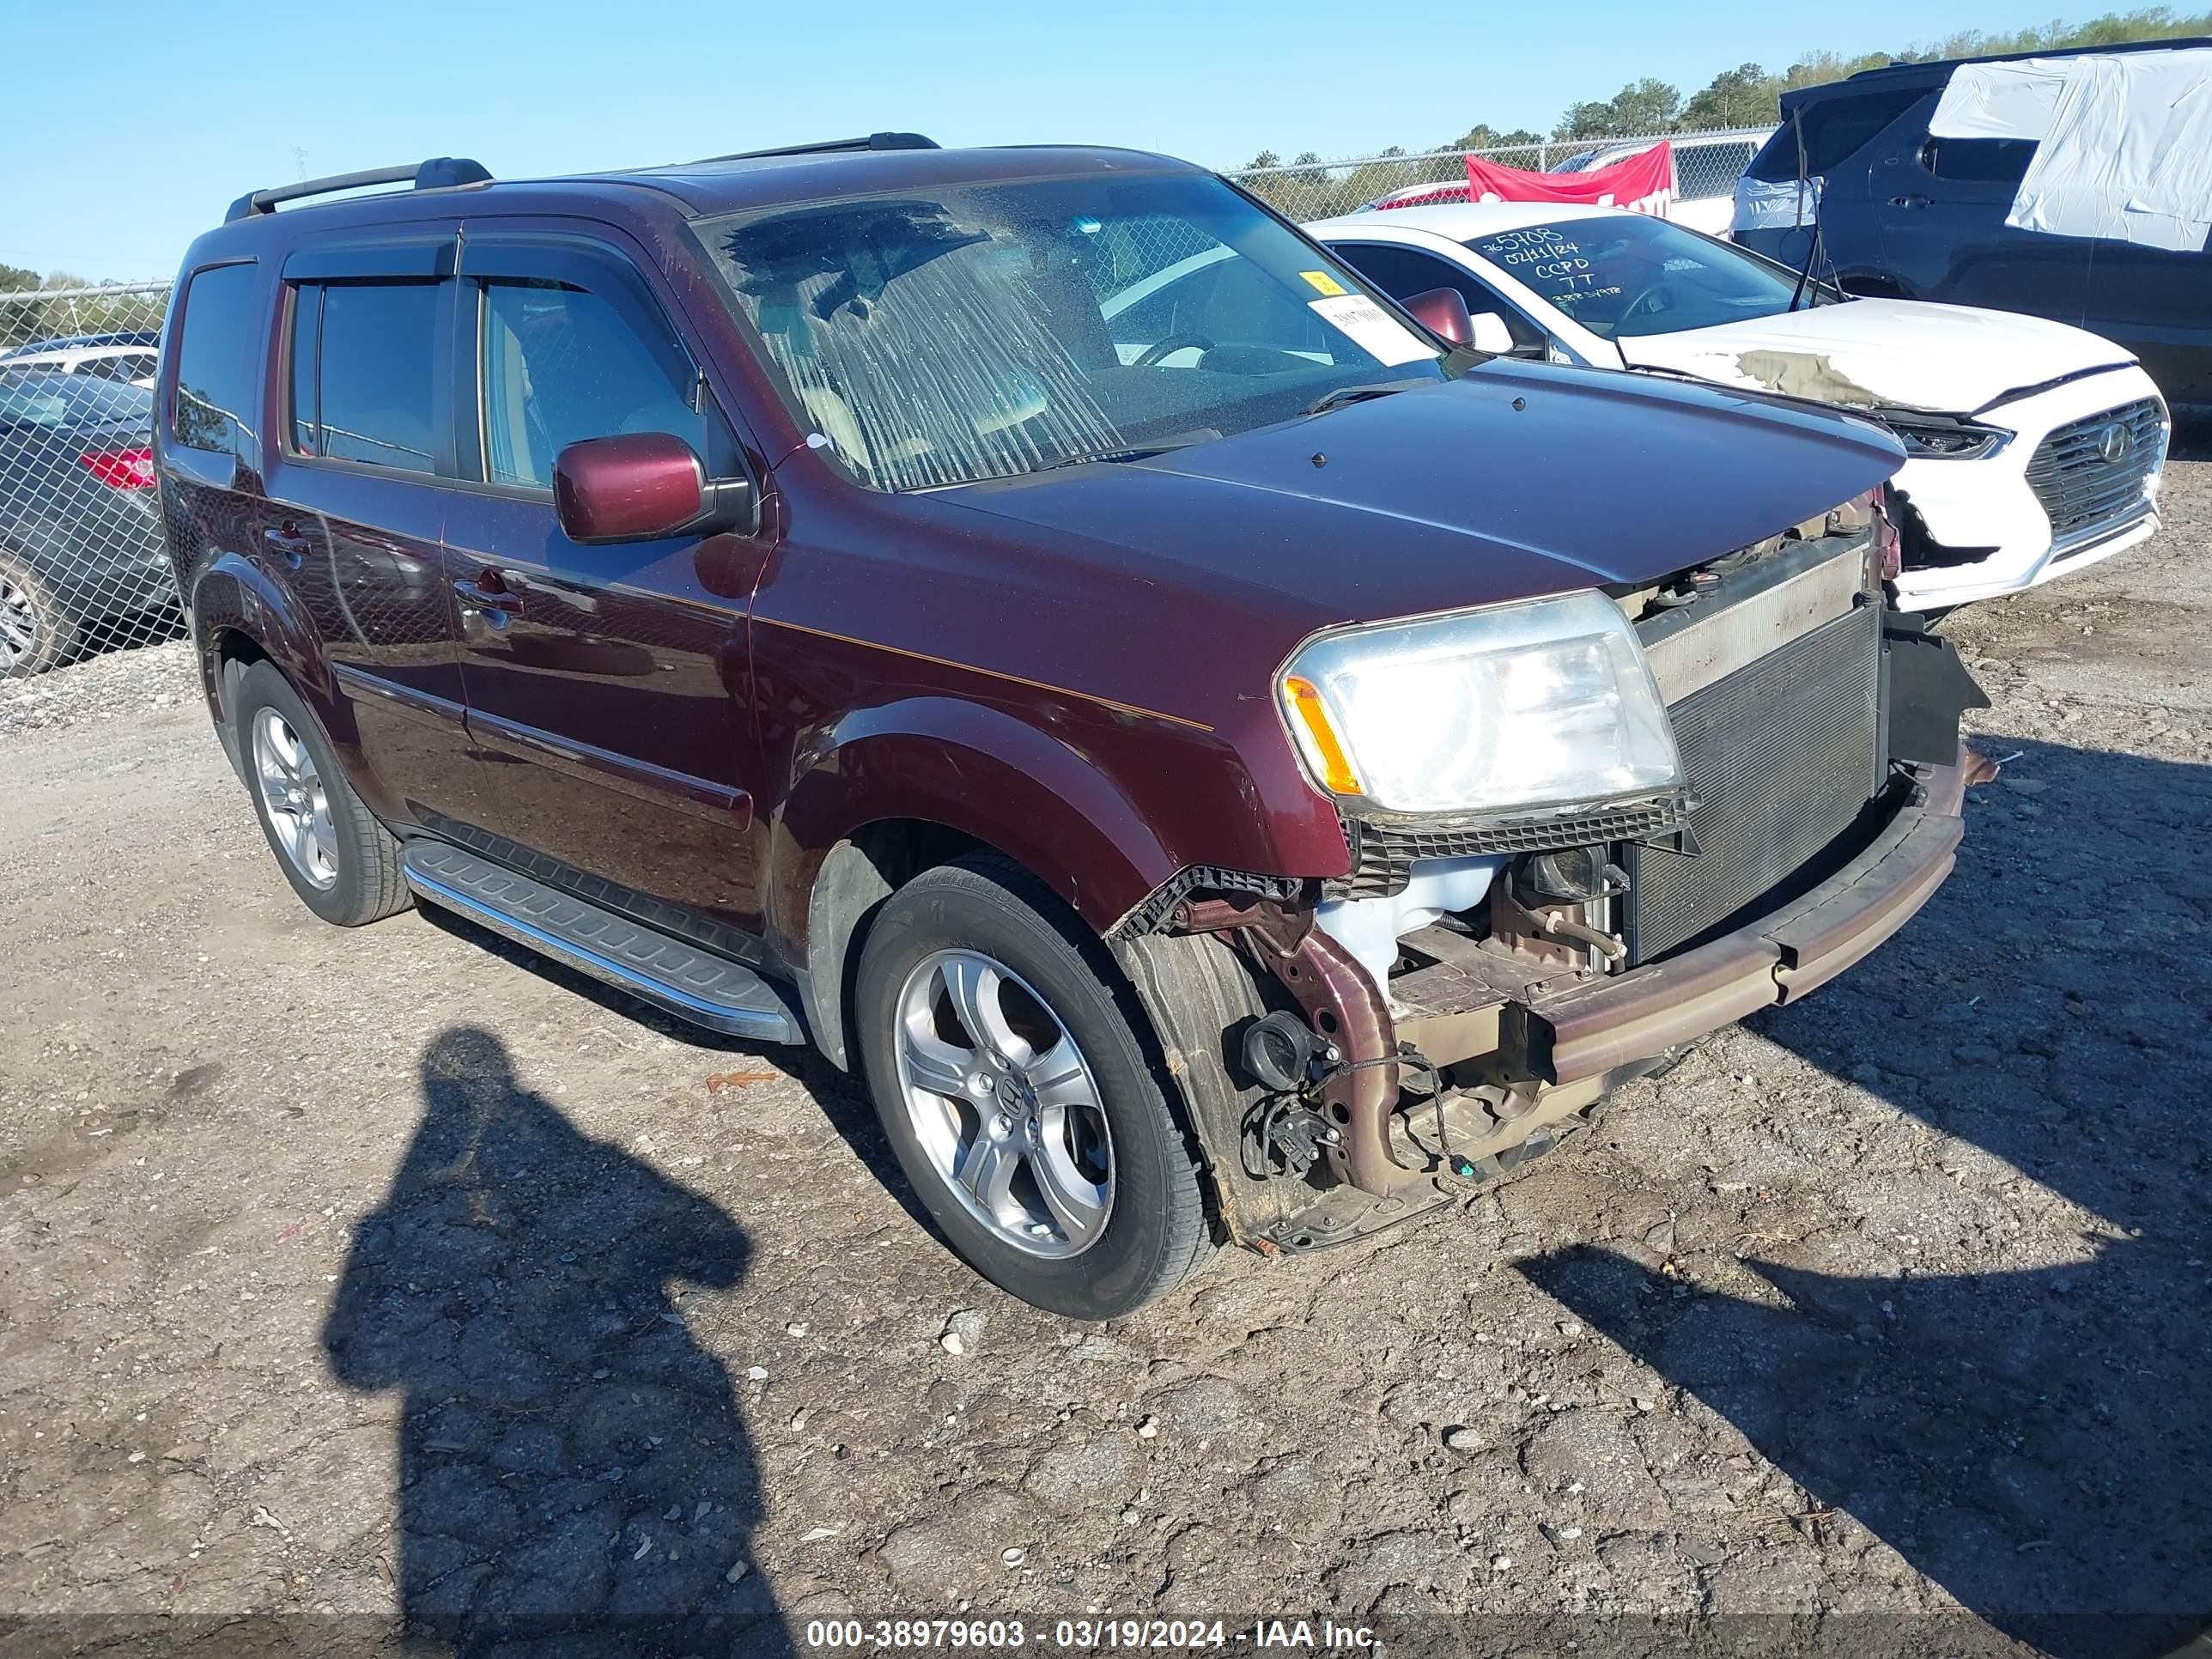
<point>1215,758</point>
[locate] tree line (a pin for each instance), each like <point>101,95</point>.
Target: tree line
<point>1749,95</point>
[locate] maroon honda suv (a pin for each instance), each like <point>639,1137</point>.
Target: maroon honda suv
<point>1222,759</point>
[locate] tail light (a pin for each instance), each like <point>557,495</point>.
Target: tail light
<point>121,469</point>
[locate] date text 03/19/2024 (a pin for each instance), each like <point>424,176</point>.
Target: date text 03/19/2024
<point>1092,1634</point>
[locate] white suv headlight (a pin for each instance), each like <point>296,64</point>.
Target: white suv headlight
<point>1513,708</point>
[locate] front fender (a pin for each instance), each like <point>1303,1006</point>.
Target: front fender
<point>1027,791</point>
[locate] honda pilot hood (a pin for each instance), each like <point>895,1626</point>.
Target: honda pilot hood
<point>1516,480</point>
<point>1871,354</point>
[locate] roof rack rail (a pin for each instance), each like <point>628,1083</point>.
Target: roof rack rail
<point>438,172</point>
<point>871,140</point>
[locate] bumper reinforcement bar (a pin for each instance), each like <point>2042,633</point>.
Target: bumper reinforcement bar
<point>1587,1029</point>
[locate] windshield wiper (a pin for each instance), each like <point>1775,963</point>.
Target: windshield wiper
<point>1355,394</point>
<point>1133,453</point>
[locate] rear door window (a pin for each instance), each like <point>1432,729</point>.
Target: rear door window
<point>1835,129</point>
<point>218,360</point>
<point>1978,161</point>
<point>373,396</point>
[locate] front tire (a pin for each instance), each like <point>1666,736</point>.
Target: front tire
<point>1005,1057</point>
<point>341,862</point>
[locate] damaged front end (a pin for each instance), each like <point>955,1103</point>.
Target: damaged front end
<point>1462,997</point>
<point>2007,482</point>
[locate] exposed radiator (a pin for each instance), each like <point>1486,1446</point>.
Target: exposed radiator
<point>1782,755</point>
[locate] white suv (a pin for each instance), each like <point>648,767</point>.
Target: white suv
<point>132,364</point>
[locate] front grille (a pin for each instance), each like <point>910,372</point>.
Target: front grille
<point>1383,855</point>
<point>1782,756</point>
<point>2079,487</point>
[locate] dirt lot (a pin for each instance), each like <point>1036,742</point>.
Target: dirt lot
<point>346,1273</point>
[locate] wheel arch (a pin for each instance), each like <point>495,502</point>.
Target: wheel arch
<point>854,879</point>
<point>222,666</point>
<point>240,615</point>
<point>895,790</point>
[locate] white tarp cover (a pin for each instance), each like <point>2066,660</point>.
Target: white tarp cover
<point>1775,204</point>
<point>2129,156</point>
<point>2124,142</point>
<point>2001,101</point>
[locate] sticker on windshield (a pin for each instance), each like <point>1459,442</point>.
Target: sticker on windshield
<point>1323,282</point>
<point>1373,329</point>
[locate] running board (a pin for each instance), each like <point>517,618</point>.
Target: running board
<point>680,979</point>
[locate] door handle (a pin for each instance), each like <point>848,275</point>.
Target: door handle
<point>1909,201</point>
<point>487,592</point>
<point>485,598</point>
<point>287,544</point>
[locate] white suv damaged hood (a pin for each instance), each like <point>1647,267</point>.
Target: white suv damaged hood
<point>1872,353</point>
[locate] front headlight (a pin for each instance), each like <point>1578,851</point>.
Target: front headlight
<point>1936,439</point>
<point>1511,710</point>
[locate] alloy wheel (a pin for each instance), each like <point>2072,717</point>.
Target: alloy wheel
<point>19,623</point>
<point>293,799</point>
<point>1004,1105</point>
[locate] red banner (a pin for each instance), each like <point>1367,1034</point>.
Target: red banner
<point>1644,183</point>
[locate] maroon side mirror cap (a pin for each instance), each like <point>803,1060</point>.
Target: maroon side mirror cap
<point>639,486</point>
<point>1443,311</point>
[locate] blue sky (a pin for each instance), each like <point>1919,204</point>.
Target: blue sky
<point>130,126</point>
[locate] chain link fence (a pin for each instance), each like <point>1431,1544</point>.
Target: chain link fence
<point>83,567</point>
<point>1706,166</point>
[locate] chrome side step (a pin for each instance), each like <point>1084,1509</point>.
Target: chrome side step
<point>680,979</point>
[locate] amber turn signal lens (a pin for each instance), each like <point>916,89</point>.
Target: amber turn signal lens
<point>1323,745</point>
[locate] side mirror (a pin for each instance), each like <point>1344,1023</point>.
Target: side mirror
<point>640,486</point>
<point>1443,311</point>
<point>1490,334</point>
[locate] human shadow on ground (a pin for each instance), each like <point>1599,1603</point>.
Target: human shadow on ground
<point>842,1096</point>
<point>2035,1439</point>
<point>574,1474</point>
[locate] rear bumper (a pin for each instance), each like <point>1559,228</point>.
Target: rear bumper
<point>1587,1030</point>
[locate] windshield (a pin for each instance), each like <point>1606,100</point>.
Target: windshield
<point>1627,274</point>
<point>981,331</point>
<point>55,399</point>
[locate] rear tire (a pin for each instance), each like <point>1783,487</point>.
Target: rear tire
<point>1050,1159</point>
<point>341,862</point>
<point>36,633</point>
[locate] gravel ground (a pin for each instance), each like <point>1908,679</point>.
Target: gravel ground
<point>342,1275</point>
